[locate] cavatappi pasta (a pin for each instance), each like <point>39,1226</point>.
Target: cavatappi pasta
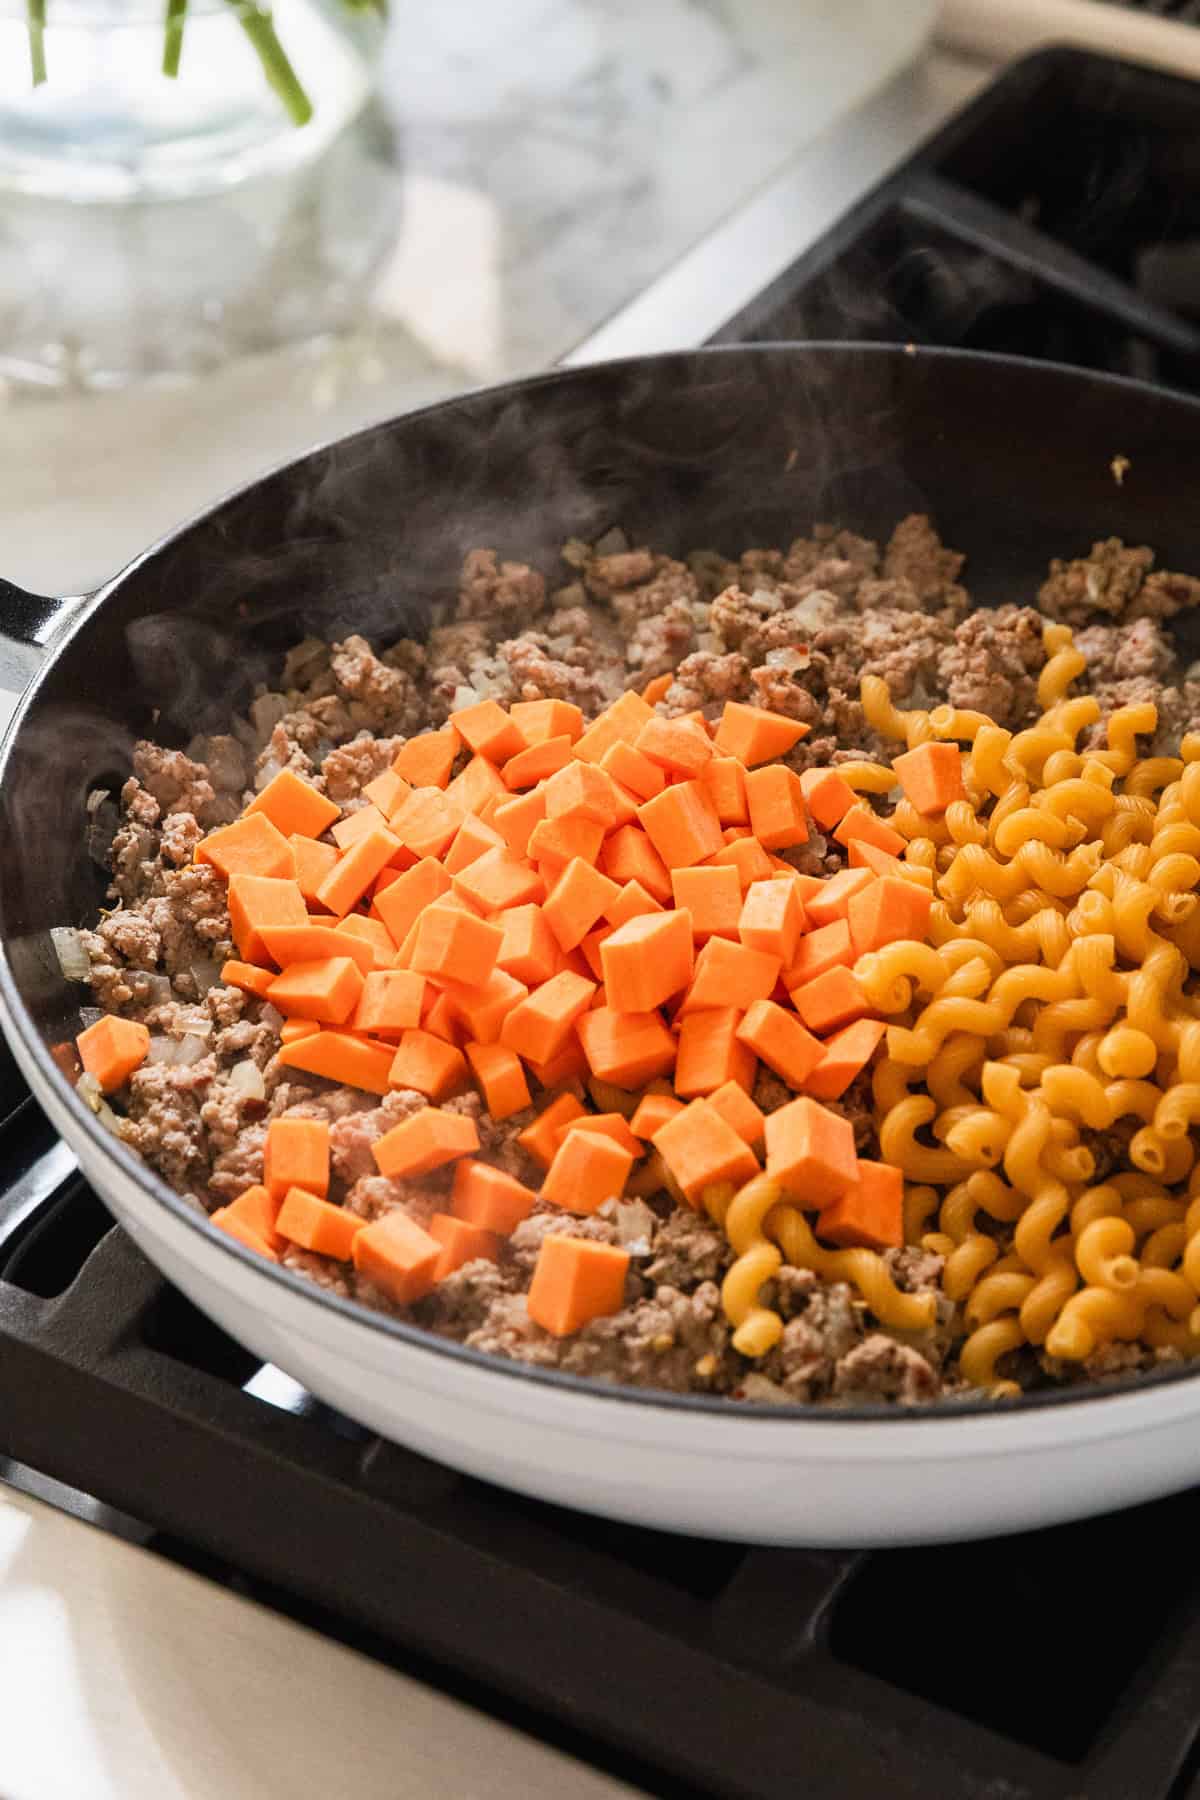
<point>1052,1001</point>
<point>1048,1005</point>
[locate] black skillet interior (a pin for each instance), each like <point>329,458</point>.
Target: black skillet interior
<point>727,448</point>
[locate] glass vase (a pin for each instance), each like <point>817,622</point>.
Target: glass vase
<point>87,112</point>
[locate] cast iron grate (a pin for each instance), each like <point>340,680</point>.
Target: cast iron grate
<point>1057,216</point>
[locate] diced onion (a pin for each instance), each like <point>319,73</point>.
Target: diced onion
<point>73,958</point>
<point>247,1078</point>
<point>266,712</point>
<point>758,1387</point>
<point>176,1052</point>
<point>635,1225</point>
<point>89,1091</point>
<point>206,973</point>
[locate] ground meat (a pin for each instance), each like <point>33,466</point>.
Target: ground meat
<point>857,1106</point>
<point>606,576</point>
<point>1106,581</point>
<point>545,1221</point>
<point>463,1302</point>
<point>881,1369</point>
<point>1116,652</point>
<point>916,555</point>
<point>499,592</point>
<point>163,1121</point>
<point>673,1341</point>
<point>347,770</point>
<point>380,697</point>
<point>687,1248</point>
<point>176,783</point>
<point>706,681</point>
<point>373,1195</point>
<point>534,673</point>
<point>993,664</point>
<point>240,1166</point>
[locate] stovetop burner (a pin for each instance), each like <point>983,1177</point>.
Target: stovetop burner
<point>1058,216</point>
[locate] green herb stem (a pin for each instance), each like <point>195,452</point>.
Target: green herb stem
<point>36,17</point>
<point>173,36</point>
<point>256,23</point>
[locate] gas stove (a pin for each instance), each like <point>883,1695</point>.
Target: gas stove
<point>1057,216</point>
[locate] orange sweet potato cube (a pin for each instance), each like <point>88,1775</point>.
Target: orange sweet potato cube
<point>252,845</point>
<point>455,945</point>
<point>574,1281</point>
<point>710,1053</point>
<point>810,1151</point>
<point>539,720</point>
<point>861,822</point>
<point>730,974</point>
<point>776,803</point>
<point>682,825</point>
<point>488,730</point>
<point>755,735</point>
<point>425,1141</point>
<point>427,759</point>
<point>736,1106</point>
<point>538,1028</point>
<point>627,1048</point>
<point>870,1213</point>
<point>487,1197</point>
<point>887,911</point>
<point>647,959</point>
<point>713,896</point>
<point>528,949</point>
<point>461,1243</point>
<point>834,999</point>
<point>294,807</point>
<point>781,1041</point>
<point>701,1149</point>
<point>398,1255</point>
<point>577,899</point>
<point>588,1169</point>
<point>827,796</point>
<point>772,919</point>
<point>427,1064</point>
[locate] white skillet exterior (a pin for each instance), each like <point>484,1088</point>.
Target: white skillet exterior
<point>726,1473</point>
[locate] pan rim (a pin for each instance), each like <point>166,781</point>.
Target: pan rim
<point>18,1022</point>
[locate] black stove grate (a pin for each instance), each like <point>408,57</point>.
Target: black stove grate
<point>1058,216</point>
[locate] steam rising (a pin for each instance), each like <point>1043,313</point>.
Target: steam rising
<point>368,536</point>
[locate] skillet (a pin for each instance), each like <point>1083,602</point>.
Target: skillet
<point>726,447</point>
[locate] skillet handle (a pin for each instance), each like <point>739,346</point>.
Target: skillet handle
<point>28,623</point>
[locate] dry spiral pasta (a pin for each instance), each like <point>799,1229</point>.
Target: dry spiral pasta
<point>1077,869</point>
<point>1047,1006</point>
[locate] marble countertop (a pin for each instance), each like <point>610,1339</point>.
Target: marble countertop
<point>529,169</point>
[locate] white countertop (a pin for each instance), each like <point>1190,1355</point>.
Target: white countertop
<point>549,176</point>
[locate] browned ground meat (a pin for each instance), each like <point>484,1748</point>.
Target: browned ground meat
<point>793,628</point>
